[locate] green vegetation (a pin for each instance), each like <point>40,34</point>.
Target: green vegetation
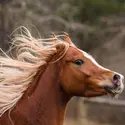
<point>90,10</point>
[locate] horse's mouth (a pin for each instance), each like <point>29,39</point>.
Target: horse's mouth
<point>108,91</point>
<point>112,91</point>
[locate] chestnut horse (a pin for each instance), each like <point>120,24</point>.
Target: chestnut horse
<point>37,84</point>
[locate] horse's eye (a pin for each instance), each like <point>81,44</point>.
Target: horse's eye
<point>79,62</point>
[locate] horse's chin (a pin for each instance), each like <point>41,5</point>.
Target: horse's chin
<point>112,92</point>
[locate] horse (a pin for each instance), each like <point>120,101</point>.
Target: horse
<point>37,82</point>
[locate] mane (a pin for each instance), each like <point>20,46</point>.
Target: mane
<point>17,73</point>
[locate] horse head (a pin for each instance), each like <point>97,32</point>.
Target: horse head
<point>82,76</point>
<point>49,71</point>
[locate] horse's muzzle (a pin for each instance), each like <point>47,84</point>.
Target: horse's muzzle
<point>117,85</point>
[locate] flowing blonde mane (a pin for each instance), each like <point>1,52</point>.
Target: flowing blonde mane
<point>17,73</point>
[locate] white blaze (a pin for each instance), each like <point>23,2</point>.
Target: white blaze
<point>93,60</point>
<point>105,82</point>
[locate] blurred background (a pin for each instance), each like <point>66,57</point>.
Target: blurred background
<point>96,26</point>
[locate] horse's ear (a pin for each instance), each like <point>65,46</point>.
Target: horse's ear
<point>60,52</point>
<point>67,39</point>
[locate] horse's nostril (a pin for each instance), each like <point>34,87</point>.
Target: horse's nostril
<point>116,79</point>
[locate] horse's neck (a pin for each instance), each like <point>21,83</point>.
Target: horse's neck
<point>46,105</point>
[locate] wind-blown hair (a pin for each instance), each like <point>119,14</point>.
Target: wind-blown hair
<point>17,73</point>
